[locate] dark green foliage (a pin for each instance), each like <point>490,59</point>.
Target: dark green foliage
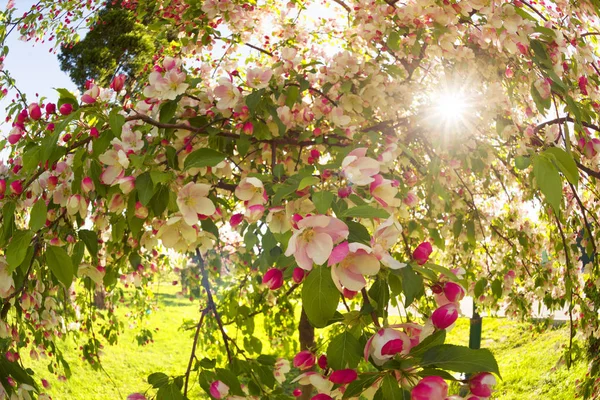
<point>116,43</point>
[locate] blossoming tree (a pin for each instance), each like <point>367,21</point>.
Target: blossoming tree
<point>321,163</point>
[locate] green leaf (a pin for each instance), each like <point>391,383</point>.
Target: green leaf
<point>390,388</point>
<point>31,158</point>
<point>548,180</point>
<point>90,238</point>
<point>436,339</point>
<point>203,158</point>
<point>412,283</point>
<point>358,386</point>
<point>158,380</point>
<point>460,359</point>
<point>565,163</point>
<point>60,264</point>
<point>365,212</point>
<point>253,99</point>
<point>229,378</point>
<point>17,249</point>
<point>380,293</point>
<point>167,111</point>
<point>497,288</point>
<point>291,96</point>
<point>37,217</point>
<point>77,256</point>
<point>344,351</point>
<point>393,42</point>
<point>522,162</point>
<point>169,392</point>
<point>160,200</point>
<point>116,122</point>
<point>308,181</point>
<point>480,287</point>
<point>358,233</point>
<point>145,188</point>
<point>320,296</point>
<point>322,201</point>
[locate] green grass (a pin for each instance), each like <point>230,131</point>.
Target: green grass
<point>529,361</point>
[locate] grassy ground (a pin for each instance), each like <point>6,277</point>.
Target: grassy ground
<point>529,361</point>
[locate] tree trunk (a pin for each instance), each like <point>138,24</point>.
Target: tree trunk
<point>307,342</point>
<point>99,299</point>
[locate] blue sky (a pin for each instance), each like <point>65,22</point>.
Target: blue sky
<point>32,65</point>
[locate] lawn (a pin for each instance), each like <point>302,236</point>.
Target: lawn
<point>529,361</point>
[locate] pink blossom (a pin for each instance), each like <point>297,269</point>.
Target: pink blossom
<point>304,360</point>
<point>358,168</point>
<point>384,191</point>
<point>350,263</point>
<point>258,78</point>
<point>583,85</point>
<point>2,186</point>
<point>385,344</point>
<point>273,278</point>
<point>422,253</point>
<point>227,93</point>
<point>313,241</point>
<point>445,316</point>
<point>481,384</point>
<point>90,95</point>
<point>219,390</point>
<point>321,396</point>
<point>192,200</point>
<point>343,376</point>
<point>251,190</point>
<point>248,128</point>
<point>430,388</point>
<point>87,184</point>
<point>454,292</point>
<point>141,212</point>
<point>254,213</point>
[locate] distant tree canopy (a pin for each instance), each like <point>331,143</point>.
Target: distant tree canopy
<point>116,43</point>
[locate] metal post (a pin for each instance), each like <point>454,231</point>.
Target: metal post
<point>474,340</point>
<point>475,329</point>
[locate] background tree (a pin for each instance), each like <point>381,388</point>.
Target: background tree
<point>117,43</point>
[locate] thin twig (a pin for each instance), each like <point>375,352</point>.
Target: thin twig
<point>193,353</point>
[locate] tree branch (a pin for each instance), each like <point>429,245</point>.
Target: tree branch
<point>193,354</point>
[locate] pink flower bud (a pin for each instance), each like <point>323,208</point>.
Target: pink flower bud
<point>344,192</point>
<point>298,275</point>
<point>45,384</point>
<point>481,384</point>
<point>13,138</point>
<point>219,390</point>
<point>22,116</point>
<point>16,187</point>
<point>87,184</point>
<point>322,362</point>
<point>304,360</point>
<point>273,279</point>
<point>2,186</point>
<point>66,109</point>
<point>34,111</point>
<point>422,253</point>
<point>118,82</point>
<point>453,292</point>
<point>52,182</point>
<point>248,128</point>
<point>136,396</point>
<point>94,133</point>
<point>141,212</point>
<point>50,127</point>
<point>297,392</point>
<point>343,376</point>
<point>430,388</point>
<point>50,108</point>
<point>321,396</point>
<point>444,316</point>
<point>236,219</point>
<point>349,294</point>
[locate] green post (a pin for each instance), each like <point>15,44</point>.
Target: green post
<point>475,330</point>
<point>474,341</point>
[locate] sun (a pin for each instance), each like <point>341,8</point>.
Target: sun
<point>451,107</point>
<point>451,113</point>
